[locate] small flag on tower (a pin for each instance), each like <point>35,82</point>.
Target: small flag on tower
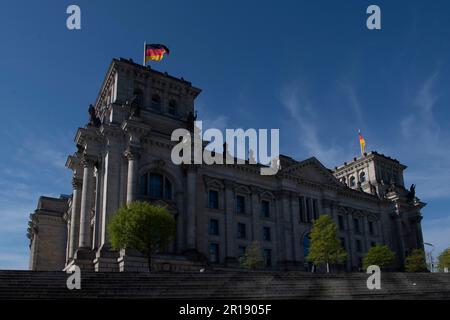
<point>362,143</point>
<point>154,52</point>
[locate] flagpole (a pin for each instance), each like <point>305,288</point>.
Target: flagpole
<point>143,61</point>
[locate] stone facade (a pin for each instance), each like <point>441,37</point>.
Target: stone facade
<point>123,154</point>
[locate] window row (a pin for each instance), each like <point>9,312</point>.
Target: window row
<point>352,180</point>
<point>308,209</point>
<point>358,244</point>
<point>241,230</point>
<point>240,204</point>
<point>156,102</point>
<point>356,225</point>
<point>214,254</point>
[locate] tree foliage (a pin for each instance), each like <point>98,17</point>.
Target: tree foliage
<point>253,258</point>
<point>380,256</point>
<point>416,261</point>
<point>444,260</point>
<point>142,226</point>
<point>325,247</point>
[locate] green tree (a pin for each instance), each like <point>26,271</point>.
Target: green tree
<point>253,258</point>
<point>325,246</point>
<point>444,260</point>
<point>142,226</point>
<point>416,261</point>
<point>380,256</point>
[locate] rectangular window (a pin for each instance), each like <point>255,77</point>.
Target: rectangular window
<point>373,244</point>
<point>265,209</point>
<point>315,209</point>
<point>308,210</point>
<point>213,199</point>
<point>156,185</point>
<point>358,245</point>
<point>241,251</point>
<point>371,231</point>
<point>214,227</point>
<point>267,257</point>
<point>343,242</point>
<point>341,222</point>
<point>266,234</point>
<point>242,234</point>
<point>356,225</point>
<point>301,211</point>
<point>240,204</point>
<point>214,252</point>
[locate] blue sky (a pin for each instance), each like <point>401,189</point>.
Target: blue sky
<point>310,68</point>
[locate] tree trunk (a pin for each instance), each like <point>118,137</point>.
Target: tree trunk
<point>328,267</point>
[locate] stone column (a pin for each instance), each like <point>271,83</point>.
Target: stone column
<point>191,208</point>
<point>132,177</point>
<point>86,194</point>
<point>74,220</point>
<point>256,215</point>
<point>296,228</point>
<point>230,235</point>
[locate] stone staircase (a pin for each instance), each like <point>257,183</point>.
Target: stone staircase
<point>221,285</point>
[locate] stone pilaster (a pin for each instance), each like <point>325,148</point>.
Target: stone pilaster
<point>132,155</point>
<point>230,229</point>
<point>75,216</point>
<point>84,241</point>
<point>191,207</point>
<point>256,214</point>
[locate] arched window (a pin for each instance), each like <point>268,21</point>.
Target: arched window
<point>173,107</point>
<point>344,181</point>
<point>155,185</point>
<point>362,177</point>
<point>352,181</point>
<point>156,102</point>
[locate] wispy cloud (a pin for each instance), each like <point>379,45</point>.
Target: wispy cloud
<point>437,232</point>
<point>423,143</point>
<point>301,110</point>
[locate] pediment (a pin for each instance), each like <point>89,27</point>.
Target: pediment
<point>312,170</point>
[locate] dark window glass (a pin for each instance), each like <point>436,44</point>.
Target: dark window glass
<point>373,244</point>
<point>214,227</point>
<point>241,231</point>
<point>315,209</point>
<point>240,204</point>
<point>167,189</point>
<point>156,102</point>
<point>356,225</point>
<point>301,204</point>
<point>266,234</point>
<point>371,227</point>
<point>213,252</point>
<point>267,257</point>
<point>358,246</point>
<point>156,185</point>
<point>362,177</point>
<point>308,210</point>
<point>213,199</point>
<point>172,107</point>
<point>341,222</point>
<point>265,208</point>
<point>242,251</point>
<point>342,242</point>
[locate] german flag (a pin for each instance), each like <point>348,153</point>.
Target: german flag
<point>155,52</point>
<point>362,143</point>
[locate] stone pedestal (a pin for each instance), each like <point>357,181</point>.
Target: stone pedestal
<point>106,260</point>
<point>83,258</point>
<point>132,261</point>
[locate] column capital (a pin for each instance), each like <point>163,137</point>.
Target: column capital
<point>88,160</point>
<point>132,153</point>
<point>77,183</point>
